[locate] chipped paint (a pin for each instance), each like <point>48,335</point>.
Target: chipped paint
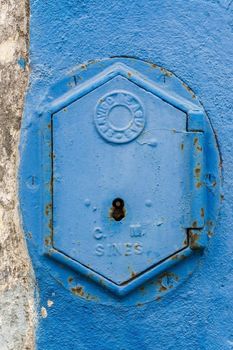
<point>50,303</point>
<point>44,313</point>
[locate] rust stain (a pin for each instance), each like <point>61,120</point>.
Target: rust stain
<point>179,257</point>
<point>90,62</point>
<point>165,72</point>
<point>129,74</point>
<point>198,171</point>
<point>194,237</point>
<point>182,257</point>
<point>133,274</point>
<point>78,290</point>
<point>48,241</point>
<point>50,224</point>
<point>51,185</point>
<point>162,289</point>
<point>188,89</point>
<point>48,209</point>
<point>194,224</point>
<point>198,184</point>
<point>175,257</point>
<point>198,147</point>
<point>52,155</point>
<point>202,212</point>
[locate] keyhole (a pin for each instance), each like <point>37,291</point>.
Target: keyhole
<point>118,209</point>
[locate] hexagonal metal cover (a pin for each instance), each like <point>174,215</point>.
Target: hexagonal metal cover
<point>128,172</point>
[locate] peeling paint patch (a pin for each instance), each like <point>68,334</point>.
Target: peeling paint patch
<point>50,303</point>
<point>44,313</point>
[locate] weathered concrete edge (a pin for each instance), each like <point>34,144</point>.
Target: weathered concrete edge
<point>17,285</point>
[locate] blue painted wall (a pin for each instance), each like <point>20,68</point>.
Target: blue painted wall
<point>193,39</point>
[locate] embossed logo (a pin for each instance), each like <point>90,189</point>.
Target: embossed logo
<point>119,117</point>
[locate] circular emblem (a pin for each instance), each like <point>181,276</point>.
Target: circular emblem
<point>119,117</point>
